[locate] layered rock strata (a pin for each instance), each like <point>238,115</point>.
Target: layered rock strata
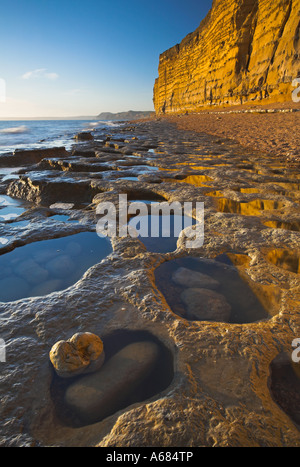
<point>243,51</point>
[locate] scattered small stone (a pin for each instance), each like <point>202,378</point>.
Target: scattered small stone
<point>62,206</point>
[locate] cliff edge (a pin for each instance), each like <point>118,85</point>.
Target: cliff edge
<point>243,51</point>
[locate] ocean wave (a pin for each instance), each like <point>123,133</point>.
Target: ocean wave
<point>15,130</point>
<point>113,124</point>
<point>94,125</point>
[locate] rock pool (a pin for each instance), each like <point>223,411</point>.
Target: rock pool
<point>40,268</point>
<point>11,208</point>
<point>218,389</point>
<point>200,289</point>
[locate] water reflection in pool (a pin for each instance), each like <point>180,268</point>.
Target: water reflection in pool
<point>196,180</point>
<point>11,208</point>
<point>160,233</point>
<point>40,268</point>
<point>201,289</point>
<point>250,208</point>
<point>285,259</point>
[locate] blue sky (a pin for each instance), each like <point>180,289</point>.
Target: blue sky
<point>70,58</point>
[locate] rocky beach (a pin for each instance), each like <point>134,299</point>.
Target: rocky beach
<point>150,260</point>
<point>267,128</point>
<point>206,333</point>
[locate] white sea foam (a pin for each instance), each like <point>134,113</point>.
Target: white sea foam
<point>94,125</point>
<point>112,124</point>
<point>7,201</point>
<point>15,130</point>
<point>62,206</point>
<point>9,217</point>
<point>34,134</point>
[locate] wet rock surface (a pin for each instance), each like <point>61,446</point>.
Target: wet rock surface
<point>84,136</point>
<point>219,392</point>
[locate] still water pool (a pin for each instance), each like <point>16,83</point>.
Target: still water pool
<point>40,268</point>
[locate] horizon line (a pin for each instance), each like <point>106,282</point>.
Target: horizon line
<point>74,117</point>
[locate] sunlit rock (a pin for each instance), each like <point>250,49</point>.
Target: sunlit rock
<point>84,136</point>
<point>83,353</point>
<point>223,60</point>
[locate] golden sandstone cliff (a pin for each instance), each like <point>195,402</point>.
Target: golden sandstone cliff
<point>243,51</point>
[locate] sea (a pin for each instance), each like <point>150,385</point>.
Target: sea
<point>36,134</point>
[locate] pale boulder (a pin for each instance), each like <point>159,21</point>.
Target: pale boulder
<point>101,394</point>
<point>206,305</point>
<point>83,353</point>
<point>188,278</point>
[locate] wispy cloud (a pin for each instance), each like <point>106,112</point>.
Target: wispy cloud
<point>40,73</point>
<point>73,92</point>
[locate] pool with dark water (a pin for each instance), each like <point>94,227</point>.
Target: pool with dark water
<point>160,233</point>
<point>40,268</point>
<point>157,379</point>
<point>11,208</point>
<point>222,279</point>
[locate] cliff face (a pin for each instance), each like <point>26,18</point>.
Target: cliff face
<point>243,51</point>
